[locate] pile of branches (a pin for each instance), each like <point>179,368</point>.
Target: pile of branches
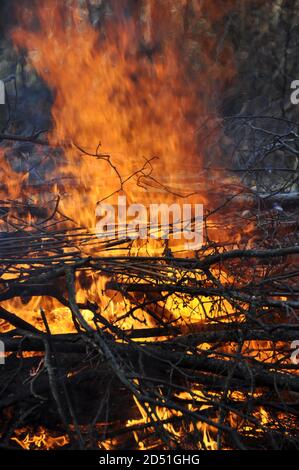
<point>189,352</point>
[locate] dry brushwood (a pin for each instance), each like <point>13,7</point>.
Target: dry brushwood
<point>242,389</point>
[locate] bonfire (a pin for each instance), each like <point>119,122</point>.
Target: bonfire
<point>121,333</point>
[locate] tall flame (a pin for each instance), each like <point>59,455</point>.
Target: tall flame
<point>129,87</point>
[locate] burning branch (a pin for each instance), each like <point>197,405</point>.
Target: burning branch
<point>165,365</point>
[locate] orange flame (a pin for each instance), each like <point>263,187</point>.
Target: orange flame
<point>128,87</point>
<point>138,89</point>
